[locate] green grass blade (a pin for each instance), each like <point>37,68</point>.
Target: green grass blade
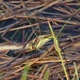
<point>0,76</point>
<point>76,71</point>
<point>59,36</point>
<point>25,72</point>
<point>57,48</point>
<point>46,75</point>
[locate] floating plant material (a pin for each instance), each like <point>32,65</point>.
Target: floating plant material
<point>25,38</point>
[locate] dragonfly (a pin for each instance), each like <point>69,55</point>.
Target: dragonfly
<point>39,41</point>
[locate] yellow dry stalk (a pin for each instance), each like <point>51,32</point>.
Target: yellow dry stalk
<point>57,48</point>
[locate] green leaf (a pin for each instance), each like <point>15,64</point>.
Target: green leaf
<point>76,71</point>
<point>25,72</point>
<point>46,75</point>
